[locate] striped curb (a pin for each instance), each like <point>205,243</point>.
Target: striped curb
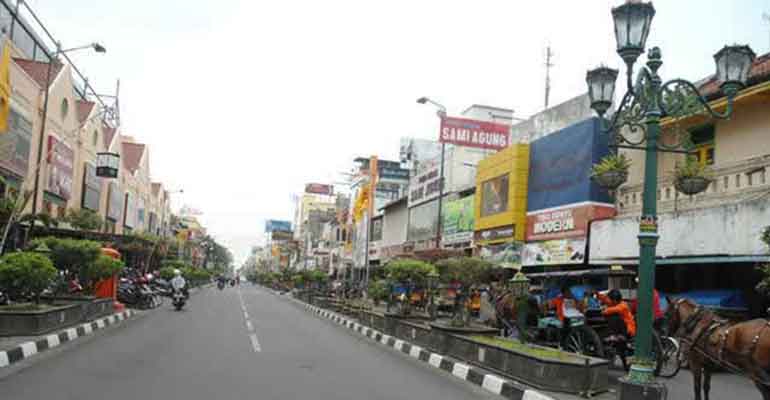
<point>29,349</point>
<point>477,376</point>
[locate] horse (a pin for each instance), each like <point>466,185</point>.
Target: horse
<point>507,313</point>
<point>710,343</point>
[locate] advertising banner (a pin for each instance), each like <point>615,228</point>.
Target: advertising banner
<point>560,167</point>
<point>61,159</point>
<point>92,187</point>
<point>129,219</point>
<point>473,133</point>
<point>423,222</point>
<point>565,222</point>
<point>115,204</point>
<point>359,245</point>
<point>554,252</point>
<point>15,144</point>
<point>457,220</point>
<point>319,188</point>
<point>272,225</point>
<point>506,255</point>
<point>281,235</point>
<point>500,232</point>
<point>494,196</point>
<point>424,186</point>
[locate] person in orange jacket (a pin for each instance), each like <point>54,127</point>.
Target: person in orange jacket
<point>620,320</point>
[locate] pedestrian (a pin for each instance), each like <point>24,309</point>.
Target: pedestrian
<point>620,320</point>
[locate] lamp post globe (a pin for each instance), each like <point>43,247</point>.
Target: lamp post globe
<point>733,64</point>
<point>632,26</point>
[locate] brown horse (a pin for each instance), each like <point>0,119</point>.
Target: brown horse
<point>711,343</point>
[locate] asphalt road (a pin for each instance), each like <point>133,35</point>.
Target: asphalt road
<point>210,351</point>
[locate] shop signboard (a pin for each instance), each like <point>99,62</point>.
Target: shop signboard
<point>92,186</point>
<point>424,186</point>
<point>281,235</point>
<point>474,133</point>
<point>457,220</point>
<point>500,232</point>
<point>560,167</point>
<point>319,188</point>
<point>506,255</point>
<point>554,252</point>
<point>272,225</point>
<point>61,160</point>
<point>15,144</point>
<point>115,204</point>
<point>565,222</point>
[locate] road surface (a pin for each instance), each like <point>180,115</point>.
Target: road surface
<point>211,351</point>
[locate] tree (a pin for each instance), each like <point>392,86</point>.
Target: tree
<point>84,219</point>
<point>410,273</point>
<point>469,272</point>
<point>26,274</point>
<point>102,268</point>
<point>69,255</point>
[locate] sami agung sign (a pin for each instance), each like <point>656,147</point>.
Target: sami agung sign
<point>473,133</point>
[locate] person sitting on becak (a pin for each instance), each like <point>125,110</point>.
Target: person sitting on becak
<point>566,309</point>
<point>620,320</point>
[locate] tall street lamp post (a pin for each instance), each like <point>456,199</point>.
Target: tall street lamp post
<point>641,109</point>
<point>54,59</point>
<point>441,114</point>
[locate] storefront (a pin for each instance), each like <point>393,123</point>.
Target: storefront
<point>500,205</point>
<point>14,153</point>
<point>562,198</point>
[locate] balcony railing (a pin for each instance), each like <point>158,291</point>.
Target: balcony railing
<point>735,182</point>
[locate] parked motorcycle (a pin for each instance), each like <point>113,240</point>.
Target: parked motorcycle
<point>178,299</point>
<point>221,284</point>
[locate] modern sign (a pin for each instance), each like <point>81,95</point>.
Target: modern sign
<point>319,188</point>
<point>500,232</point>
<point>473,133</point>
<point>565,222</point>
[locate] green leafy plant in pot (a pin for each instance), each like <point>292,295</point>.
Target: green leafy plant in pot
<point>24,275</point>
<point>611,171</point>
<point>692,177</point>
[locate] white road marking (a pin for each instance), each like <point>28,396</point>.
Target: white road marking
<point>255,343</point>
<point>533,395</point>
<point>53,341</point>
<point>493,383</point>
<point>249,326</point>
<point>28,349</point>
<point>245,315</point>
<point>460,370</point>
<point>4,359</point>
<point>415,351</point>
<point>435,360</point>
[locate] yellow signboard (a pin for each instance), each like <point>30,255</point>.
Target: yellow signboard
<point>501,195</point>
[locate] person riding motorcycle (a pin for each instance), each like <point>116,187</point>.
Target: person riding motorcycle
<point>179,283</point>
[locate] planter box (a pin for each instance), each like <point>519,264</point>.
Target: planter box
<point>577,375</point>
<point>441,336</point>
<point>92,307</point>
<point>31,323</point>
<point>415,332</point>
<point>374,320</point>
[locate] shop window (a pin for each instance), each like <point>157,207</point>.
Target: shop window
<point>703,142</point>
<point>737,180</point>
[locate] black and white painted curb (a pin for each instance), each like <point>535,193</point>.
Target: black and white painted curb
<point>477,376</point>
<point>29,349</point>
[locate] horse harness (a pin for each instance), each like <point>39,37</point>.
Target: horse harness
<point>708,324</point>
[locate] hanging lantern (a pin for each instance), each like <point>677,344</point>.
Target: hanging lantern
<point>107,165</point>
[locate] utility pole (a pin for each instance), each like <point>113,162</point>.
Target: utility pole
<point>548,65</point>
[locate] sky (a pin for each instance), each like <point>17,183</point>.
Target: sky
<point>243,102</point>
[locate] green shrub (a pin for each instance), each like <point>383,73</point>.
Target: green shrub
<point>70,254</point>
<point>101,268</point>
<point>691,168</point>
<point>167,273</point>
<point>378,290</point>
<point>409,270</point>
<point>26,274</point>
<point>467,270</point>
<point>84,219</point>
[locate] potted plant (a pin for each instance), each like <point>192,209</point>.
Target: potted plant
<point>408,273</point>
<point>691,177</point>
<point>611,171</point>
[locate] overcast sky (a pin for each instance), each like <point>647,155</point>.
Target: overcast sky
<point>242,102</point>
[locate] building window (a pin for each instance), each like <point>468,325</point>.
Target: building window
<point>668,193</point>
<point>703,142</point>
<point>95,138</point>
<point>727,182</point>
<point>737,180</point>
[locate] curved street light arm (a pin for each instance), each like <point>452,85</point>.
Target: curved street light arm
<point>675,98</point>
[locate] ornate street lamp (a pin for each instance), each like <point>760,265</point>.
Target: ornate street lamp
<point>107,164</point>
<point>640,110</point>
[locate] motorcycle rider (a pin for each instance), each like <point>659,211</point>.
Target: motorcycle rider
<point>179,283</point>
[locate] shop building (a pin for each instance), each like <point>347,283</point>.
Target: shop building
<point>709,243</point>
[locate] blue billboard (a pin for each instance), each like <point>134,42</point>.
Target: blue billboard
<point>273,225</point>
<point>560,166</point>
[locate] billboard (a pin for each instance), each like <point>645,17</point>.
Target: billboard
<point>61,159</point>
<point>424,186</point>
<point>473,133</point>
<point>15,144</point>
<point>506,255</point>
<point>272,225</point>
<point>494,195</point>
<point>564,222</point>
<point>560,166</point>
<point>319,188</point>
<point>281,235</point>
<point>554,252</point>
<point>457,220</point>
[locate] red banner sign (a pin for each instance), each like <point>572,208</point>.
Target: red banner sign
<point>473,133</point>
<point>564,222</point>
<point>319,188</point>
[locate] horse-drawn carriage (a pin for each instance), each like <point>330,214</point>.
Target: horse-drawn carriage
<point>588,333</point>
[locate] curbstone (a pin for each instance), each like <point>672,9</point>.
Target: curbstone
<point>477,376</point>
<point>29,349</point>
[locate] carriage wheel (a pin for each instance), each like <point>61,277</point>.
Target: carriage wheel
<point>657,352</point>
<point>670,363</point>
<point>584,340</point>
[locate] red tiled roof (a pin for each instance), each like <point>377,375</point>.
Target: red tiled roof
<point>109,133</point>
<point>38,70</point>
<point>132,155</point>
<point>759,73</point>
<point>84,109</point>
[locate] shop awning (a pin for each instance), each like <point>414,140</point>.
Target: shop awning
<point>687,260</point>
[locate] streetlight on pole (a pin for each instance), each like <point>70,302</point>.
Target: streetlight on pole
<point>642,108</point>
<point>97,48</point>
<point>441,114</point>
